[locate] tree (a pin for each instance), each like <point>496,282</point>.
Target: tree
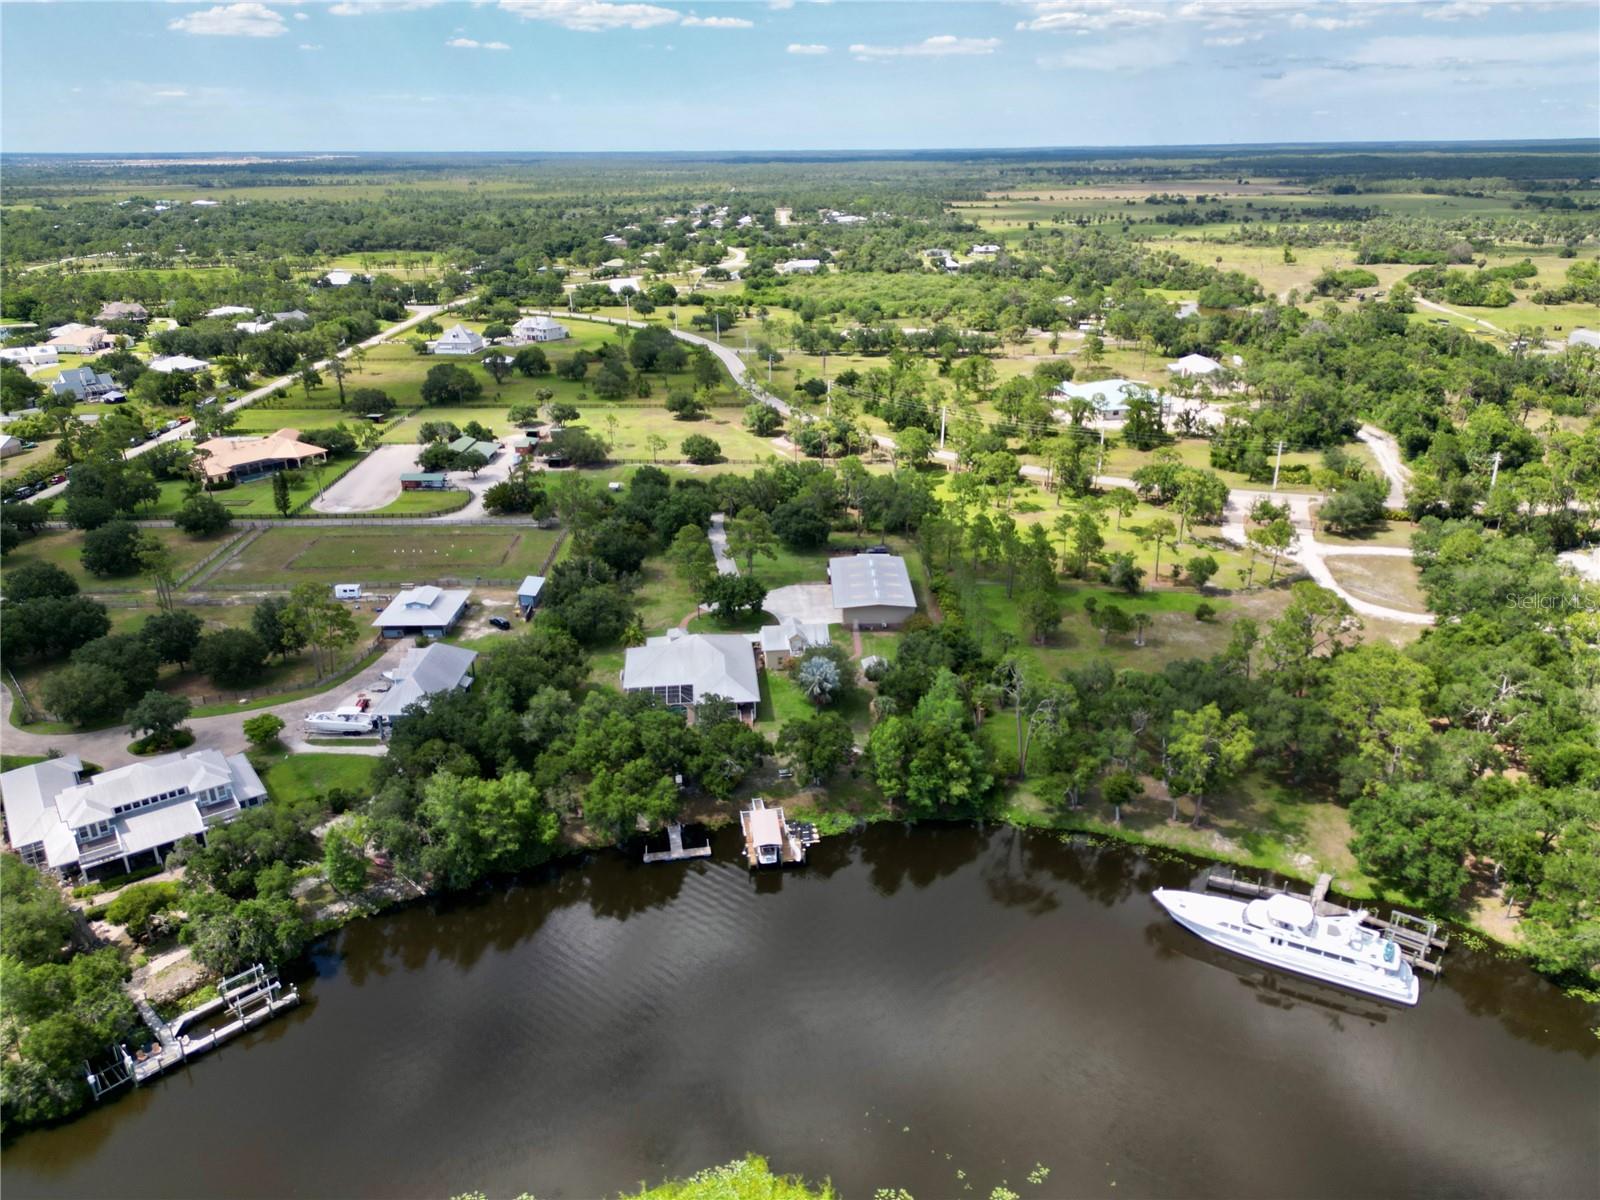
<point>817,745</point>
<point>700,450</point>
<point>202,516</point>
<point>734,597</point>
<point>172,635</point>
<point>1200,568</point>
<point>818,679</point>
<point>35,922</point>
<point>1160,532</point>
<point>801,524</point>
<point>1040,606</point>
<point>137,908</point>
<point>1121,788</point>
<point>685,406</point>
<point>655,443</point>
<point>1204,750</point>
<point>762,419</point>
<point>51,626</point>
<point>229,937</point>
<point>749,535</point>
<point>157,716</point>
<point>263,730</point>
<point>929,761</point>
<point>112,549</point>
<point>81,693</point>
<point>321,623</point>
<point>531,361</point>
<point>344,858</point>
<point>281,500</point>
<point>279,637</point>
<point>472,461</point>
<point>1416,836</point>
<point>231,657</point>
<point>1123,501</point>
<point>157,561</point>
<point>1122,572</point>
<point>694,559</point>
<point>36,580</point>
<point>449,384</point>
<point>479,827</point>
<point>1274,539</point>
<point>498,365</point>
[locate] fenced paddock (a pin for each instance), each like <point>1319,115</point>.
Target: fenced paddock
<point>377,555</point>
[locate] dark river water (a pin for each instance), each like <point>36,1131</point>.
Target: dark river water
<point>927,1009</point>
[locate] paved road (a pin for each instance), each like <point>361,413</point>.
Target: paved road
<point>1450,312</point>
<point>185,431</point>
<point>718,537</point>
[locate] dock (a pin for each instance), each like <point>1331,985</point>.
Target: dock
<point>676,851</point>
<point>252,997</point>
<point>771,840</point>
<point>1419,939</point>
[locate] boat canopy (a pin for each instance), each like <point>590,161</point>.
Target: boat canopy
<point>1290,910</point>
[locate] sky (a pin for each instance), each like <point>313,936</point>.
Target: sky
<point>574,75</point>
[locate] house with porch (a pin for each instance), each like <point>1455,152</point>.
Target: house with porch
<point>787,640</point>
<point>73,338</point>
<point>424,672</point>
<point>84,383</point>
<point>133,816</point>
<point>1108,397</point>
<point>537,329</point>
<point>427,610</point>
<point>122,310</point>
<point>242,458</point>
<point>683,669</point>
<point>458,339</point>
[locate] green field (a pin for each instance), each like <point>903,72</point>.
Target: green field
<point>254,499</point>
<point>407,554</point>
<point>64,548</point>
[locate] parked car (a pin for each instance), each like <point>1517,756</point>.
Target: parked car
<point>500,622</point>
<point>184,420</point>
<point>30,445</point>
<point>879,549</point>
<point>23,492</point>
<point>58,479</point>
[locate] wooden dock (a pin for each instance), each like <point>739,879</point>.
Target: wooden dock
<point>771,840</point>
<point>1419,939</point>
<point>676,851</point>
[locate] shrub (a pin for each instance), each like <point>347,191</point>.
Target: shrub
<point>1204,611</point>
<point>700,450</point>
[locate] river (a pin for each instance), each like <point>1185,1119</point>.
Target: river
<point>924,1008</point>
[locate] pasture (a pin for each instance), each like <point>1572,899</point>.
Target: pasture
<point>385,557</point>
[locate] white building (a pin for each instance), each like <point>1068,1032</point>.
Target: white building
<point>986,248</point>
<point>623,282</point>
<point>1109,397</point>
<point>682,669</point>
<point>230,310</point>
<point>425,671</point>
<point>1188,309</point>
<point>174,363</point>
<point>9,445</point>
<point>341,278</point>
<point>1191,365</point>
<point>73,338</point>
<point>84,383</point>
<point>799,266</point>
<point>458,339</point>
<point>124,818</point>
<point>537,329</point>
<point>789,639</point>
<point>872,590</point>
<point>427,610</point>
<point>1583,337</point>
<point>31,356</point>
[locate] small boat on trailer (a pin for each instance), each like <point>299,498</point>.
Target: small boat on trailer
<point>1285,931</point>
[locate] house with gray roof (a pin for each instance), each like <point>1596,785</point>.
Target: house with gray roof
<point>458,339</point>
<point>84,383</point>
<point>122,310</point>
<point>110,823</point>
<point>428,610</point>
<point>683,669</point>
<point>424,672</point>
<point>789,639</point>
<point>872,591</point>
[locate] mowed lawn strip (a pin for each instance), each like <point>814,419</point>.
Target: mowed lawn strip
<point>64,548</point>
<point>406,554</point>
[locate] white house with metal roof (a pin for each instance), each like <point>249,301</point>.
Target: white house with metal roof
<point>120,819</point>
<point>1108,397</point>
<point>872,590</point>
<point>427,610</point>
<point>682,669</point>
<point>458,339</point>
<point>1194,364</point>
<point>788,639</point>
<point>425,671</point>
<point>537,329</point>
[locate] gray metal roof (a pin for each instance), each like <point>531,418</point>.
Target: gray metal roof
<point>421,673</point>
<point>866,580</point>
<point>714,664</point>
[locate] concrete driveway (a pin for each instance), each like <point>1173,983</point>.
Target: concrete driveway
<point>718,537</point>
<point>371,483</point>
<point>804,602</point>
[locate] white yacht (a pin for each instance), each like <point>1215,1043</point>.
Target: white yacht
<point>1284,931</point>
<point>339,720</point>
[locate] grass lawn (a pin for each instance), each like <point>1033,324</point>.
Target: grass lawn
<point>425,503</point>
<point>1391,582</point>
<point>298,776</point>
<point>782,701</point>
<point>663,597</point>
<point>64,548</point>
<point>1388,533</point>
<point>254,499</point>
<point>375,556</point>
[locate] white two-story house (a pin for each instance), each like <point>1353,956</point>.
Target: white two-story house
<point>129,817</point>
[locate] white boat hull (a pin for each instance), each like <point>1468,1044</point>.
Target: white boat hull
<point>1202,915</point>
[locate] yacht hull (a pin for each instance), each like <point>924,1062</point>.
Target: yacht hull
<point>1201,915</point>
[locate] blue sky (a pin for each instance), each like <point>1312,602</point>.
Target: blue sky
<point>787,74</point>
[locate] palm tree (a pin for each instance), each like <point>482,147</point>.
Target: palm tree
<point>1141,622</point>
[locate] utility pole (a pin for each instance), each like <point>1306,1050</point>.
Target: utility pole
<point>1494,474</point>
<point>716,321</point>
<point>942,411</point>
<point>1100,462</point>
<point>1277,466</point>
<point>769,370</point>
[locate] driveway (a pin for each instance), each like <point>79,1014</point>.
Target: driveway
<point>717,535</point>
<point>371,483</point>
<point>1387,451</point>
<point>804,602</point>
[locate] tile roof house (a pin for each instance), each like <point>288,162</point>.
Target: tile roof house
<point>872,590</point>
<point>78,339</point>
<point>789,639</point>
<point>122,310</point>
<point>85,383</point>
<point>537,329</point>
<point>427,610</point>
<point>423,672</point>
<point>683,669</point>
<point>56,818</point>
<point>253,457</point>
<point>458,339</point>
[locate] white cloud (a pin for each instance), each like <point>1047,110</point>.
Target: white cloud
<point>232,20</point>
<point>1127,54</point>
<point>466,43</point>
<point>807,48</point>
<point>780,5</point>
<point>592,16</point>
<point>719,22</point>
<point>300,16</point>
<point>310,45</point>
<point>942,46</point>
<point>1328,24</point>
<point>361,8</point>
<point>1232,39</point>
<point>170,93</point>
<point>1090,16</point>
